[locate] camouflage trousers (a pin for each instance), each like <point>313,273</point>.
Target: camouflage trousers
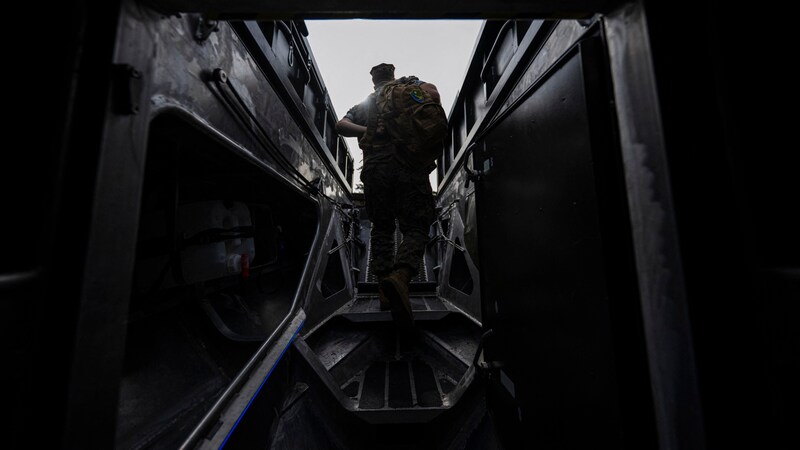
<point>392,192</point>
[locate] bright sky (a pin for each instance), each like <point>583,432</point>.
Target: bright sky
<point>436,51</point>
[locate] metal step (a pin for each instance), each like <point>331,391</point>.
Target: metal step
<point>366,308</point>
<point>395,384</point>
<point>415,287</point>
<point>390,375</point>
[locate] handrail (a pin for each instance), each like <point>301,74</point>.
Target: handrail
<point>486,335</point>
<point>292,45</point>
<point>306,60</point>
<point>494,47</point>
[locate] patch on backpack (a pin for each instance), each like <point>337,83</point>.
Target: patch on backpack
<point>416,94</point>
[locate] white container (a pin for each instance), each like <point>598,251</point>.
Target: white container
<point>208,253</point>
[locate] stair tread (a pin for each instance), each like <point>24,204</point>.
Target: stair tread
<point>414,286</point>
<point>371,303</point>
<point>403,384</point>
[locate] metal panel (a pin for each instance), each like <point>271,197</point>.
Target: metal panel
<point>658,259</point>
<point>427,9</point>
<point>542,267</point>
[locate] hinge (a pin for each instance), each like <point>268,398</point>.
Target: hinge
<point>127,89</point>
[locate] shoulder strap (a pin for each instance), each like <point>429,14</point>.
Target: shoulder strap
<point>372,112</point>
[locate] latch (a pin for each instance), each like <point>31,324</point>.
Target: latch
<point>481,364</point>
<point>205,26</point>
<point>474,175</point>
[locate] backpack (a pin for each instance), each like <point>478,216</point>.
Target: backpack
<point>413,120</point>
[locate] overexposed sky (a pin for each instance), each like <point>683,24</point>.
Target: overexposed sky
<point>436,51</point>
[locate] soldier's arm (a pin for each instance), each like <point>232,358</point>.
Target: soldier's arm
<point>431,89</point>
<point>347,128</point>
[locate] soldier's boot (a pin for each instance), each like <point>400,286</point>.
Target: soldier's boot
<point>385,306</point>
<point>384,302</point>
<point>395,288</point>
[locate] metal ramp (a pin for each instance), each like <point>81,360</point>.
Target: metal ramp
<point>386,375</point>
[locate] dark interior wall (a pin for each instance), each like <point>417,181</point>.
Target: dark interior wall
<point>724,87</point>
<point>49,177</point>
<point>555,283</point>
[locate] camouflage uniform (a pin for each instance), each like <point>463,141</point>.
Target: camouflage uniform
<point>394,189</point>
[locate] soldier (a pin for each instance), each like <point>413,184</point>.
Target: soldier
<point>395,187</point>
